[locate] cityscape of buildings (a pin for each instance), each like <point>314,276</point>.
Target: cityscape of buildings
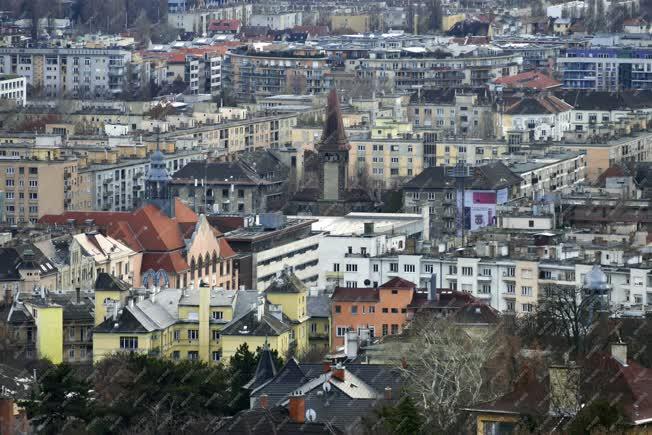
<point>367,217</point>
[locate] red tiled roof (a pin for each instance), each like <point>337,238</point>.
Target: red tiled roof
<point>528,79</point>
<point>168,261</point>
<point>224,25</point>
<point>225,249</point>
<point>398,282</point>
<point>364,294</point>
<point>183,213</point>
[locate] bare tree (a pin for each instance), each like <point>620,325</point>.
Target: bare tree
<point>443,370</point>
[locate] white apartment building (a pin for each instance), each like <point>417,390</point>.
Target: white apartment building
<point>550,173</point>
<point>77,72</point>
<point>198,20</point>
<point>280,21</point>
<point>121,186</point>
<point>13,88</point>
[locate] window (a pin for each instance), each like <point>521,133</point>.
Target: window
<point>216,335</point>
<point>509,306</point>
<point>351,284</point>
<point>530,224</point>
<point>393,267</point>
<point>71,332</point>
<point>375,268</point>
<point>394,310</point>
<point>486,289</point>
<point>385,310</point>
<point>129,343</point>
<point>511,271</point>
<point>313,328</point>
<point>193,355</point>
<point>486,272</point>
<point>394,329</point>
<point>71,353</point>
<point>177,335</point>
<point>526,308</point>
<point>217,355</point>
<point>338,309</point>
<point>384,329</point>
<point>452,270</point>
<point>218,315</point>
<point>526,291</point>
<point>431,196</point>
<point>336,267</point>
<point>9,183</point>
<point>428,268</point>
<point>193,334</point>
<point>372,309</point>
<point>408,268</point>
<point>497,428</point>
<point>351,267</point>
<point>176,355</point>
<point>467,271</point>
<point>340,331</point>
<point>511,289</point>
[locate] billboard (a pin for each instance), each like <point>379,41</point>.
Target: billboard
<point>479,209</point>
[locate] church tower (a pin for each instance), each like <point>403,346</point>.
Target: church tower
<point>157,183</point>
<point>333,153</point>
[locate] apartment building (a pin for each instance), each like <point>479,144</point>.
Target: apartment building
<point>606,68</point>
<point>406,72</point>
<point>604,153</point>
<point>120,186</point>
<point>280,21</point>
<point>238,135</point>
<point>531,119</point>
<point>382,310</point>
<point>386,163</point>
<point>198,20</point>
<point>549,173</point>
<point>452,112</point>
<point>13,88</point>
<point>34,188</point>
<point>73,72</point>
<point>56,326</point>
<point>248,73</point>
<point>474,152</point>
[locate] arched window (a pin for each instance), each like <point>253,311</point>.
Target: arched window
<point>192,266</point>
<point>208,264</point>
<point>214,262</point>
<point>200,264</point>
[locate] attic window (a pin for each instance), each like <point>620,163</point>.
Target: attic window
<point>477,310</point>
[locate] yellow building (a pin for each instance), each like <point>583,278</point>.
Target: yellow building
<point>355,23</point>
<point>206,324</point>
<point>449,152</point>
<point>55,326</point>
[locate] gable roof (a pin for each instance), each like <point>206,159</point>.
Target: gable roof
<point>109,282</point>
<point>528,79</point>
<point>538,105</point>
<point>398,282</point>
<point>362,294</point>
<point>490,176</point>
<point>286,282</point>
<point>262,421</point>
<point>248,325</point>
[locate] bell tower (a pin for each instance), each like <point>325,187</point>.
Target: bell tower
<point>157,183</point>
<point>333,153</point>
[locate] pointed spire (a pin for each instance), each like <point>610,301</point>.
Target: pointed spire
<point>265,370</point>
<point>333,136</point>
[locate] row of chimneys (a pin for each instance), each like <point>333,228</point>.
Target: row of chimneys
<point>297,401</point>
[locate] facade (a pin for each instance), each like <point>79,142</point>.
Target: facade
<point>550,173</point>
<point>75,266</point>
<point>74,72</point>
<point>636,147</point>
<point>405,72</point>
<point>438,193</point>
<point>385,163</point>
<point>24,268</point>
<point>452,113</point>
<point>34,188</point>
<point>13,88</point>
<point>198,20</point>
<point>382,310</point>
<point>473,152</point>
<point>281,21</point>
<point>606,68</point>
<point>246,186</point>
<point>250,74</point>
<point>56,326</point>
<point>266,249</point>
<point>120,186</point>
<point>532,119</point>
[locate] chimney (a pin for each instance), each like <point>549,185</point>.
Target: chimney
<point>115,311</point>
<point>78,295</point>
<point>260,308</point>
<point>338,372</point>
<point>9,297</point>
<point>297,407</point>
<point>619,353</point>
<point>433,294</point>
<point>263,401</point>
<point>388,393</point>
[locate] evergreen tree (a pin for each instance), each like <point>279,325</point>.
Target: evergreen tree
<point>60,403</point>
<point>401,419</point>
<point>242,367</point>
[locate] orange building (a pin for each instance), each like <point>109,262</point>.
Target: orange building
<point>382,310</point>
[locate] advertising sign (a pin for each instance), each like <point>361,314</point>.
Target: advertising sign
<point>479,209</point>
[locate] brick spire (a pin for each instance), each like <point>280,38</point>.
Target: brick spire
<point>334,137</point>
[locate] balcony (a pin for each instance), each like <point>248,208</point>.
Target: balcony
<point>484,277</point>
<point>483,296</point>
<point>509,295</point>
<point>334,275</point>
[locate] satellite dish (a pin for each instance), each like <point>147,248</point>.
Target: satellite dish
<point>367,282</point>
<point>311,415</point>
<point>326,386</point>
